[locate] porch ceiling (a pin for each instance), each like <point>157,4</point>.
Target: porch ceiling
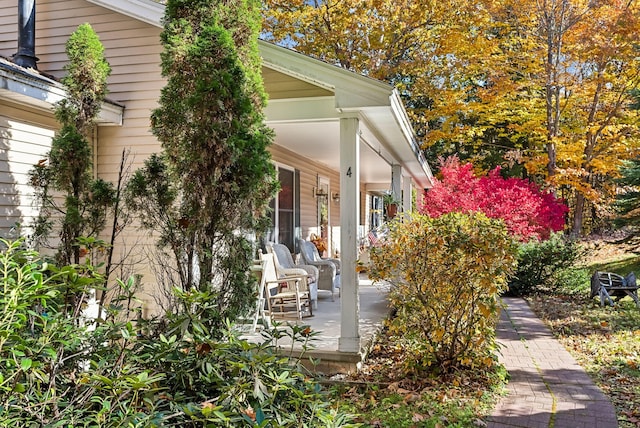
<point>320,141</point>
<point>307,99</point>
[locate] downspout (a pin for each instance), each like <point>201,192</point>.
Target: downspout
<point>95,151</point>
<point>26,55</point>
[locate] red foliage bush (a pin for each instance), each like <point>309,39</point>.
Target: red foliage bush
<point>527,211</point>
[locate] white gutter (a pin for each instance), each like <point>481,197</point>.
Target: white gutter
<point>143,10</point>
<point>41,92</point>
<point>401,116</point>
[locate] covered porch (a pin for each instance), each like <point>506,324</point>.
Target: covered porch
<point>325,325</point>
<point>346,139</point>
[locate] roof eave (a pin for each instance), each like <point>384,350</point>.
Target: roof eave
<point>143,10</point>
<point>400,113</point>
<point>43,93</point>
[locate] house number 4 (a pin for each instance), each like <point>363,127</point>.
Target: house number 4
<point>349,172</point>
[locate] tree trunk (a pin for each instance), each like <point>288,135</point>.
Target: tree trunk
<point>578,215</point>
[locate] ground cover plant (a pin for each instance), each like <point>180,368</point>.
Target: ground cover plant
<point>60,369</point>
<point>546,262</point>
<point>604,340</point>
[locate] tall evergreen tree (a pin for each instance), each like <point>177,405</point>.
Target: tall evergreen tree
<point>627,203</point>
<point>214,180</point>
<point>64,182</point>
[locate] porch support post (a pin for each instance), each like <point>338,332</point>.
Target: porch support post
<point>406,194</point>
<point>349,218</point>
<point>396,183</point>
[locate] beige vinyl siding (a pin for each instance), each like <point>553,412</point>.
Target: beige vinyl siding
<point>309,171</point>
<point>25,137</point>
<point>133,51</point>
<point>8,27</point>
<point>131,47</point>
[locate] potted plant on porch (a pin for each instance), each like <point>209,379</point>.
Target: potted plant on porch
<point>390,205</point>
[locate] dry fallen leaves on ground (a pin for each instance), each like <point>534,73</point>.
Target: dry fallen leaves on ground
<point>605,341</point>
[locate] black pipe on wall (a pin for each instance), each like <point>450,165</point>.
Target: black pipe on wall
<point>26,55</point>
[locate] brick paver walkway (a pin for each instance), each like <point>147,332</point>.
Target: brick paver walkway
<point>547,388</point>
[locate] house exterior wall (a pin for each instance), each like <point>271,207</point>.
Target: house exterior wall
<point>25,138</point>
<point>8,27</point>
<point>131,47</point>
<point>133,50</point>
<point>309,172</point>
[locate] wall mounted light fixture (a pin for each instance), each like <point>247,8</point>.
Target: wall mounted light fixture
<point>319,193</point>
<point>336,197</point>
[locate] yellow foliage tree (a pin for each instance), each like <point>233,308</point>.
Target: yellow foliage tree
<point>547,82</point>
<point>591,66</point>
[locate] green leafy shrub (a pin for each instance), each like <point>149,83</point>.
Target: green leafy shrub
<point>60,369</point>
<point>446,275</point>
<point>542,263</point>
<point>56,367</point>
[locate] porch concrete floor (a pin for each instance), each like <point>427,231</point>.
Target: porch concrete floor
<point>374,308</point>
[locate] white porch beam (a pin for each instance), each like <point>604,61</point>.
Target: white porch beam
<point>407,188</point>
<point>396,182</point>
<point>349,218</point>
<point>301,110</point>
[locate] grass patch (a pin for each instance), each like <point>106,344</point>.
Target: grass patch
<point>622,267</point>
<point>604,340</point>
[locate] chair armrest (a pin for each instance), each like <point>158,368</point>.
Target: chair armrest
<point>291,272</point>
<point>324,266</point>
<point>295,280</point>
<point>312,271</point>
<point>336,262</point>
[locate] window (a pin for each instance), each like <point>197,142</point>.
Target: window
<point>285,209</point>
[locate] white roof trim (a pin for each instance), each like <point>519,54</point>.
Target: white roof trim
<point>42,92</point>
<point>400,113</point>
<point>143,10</point>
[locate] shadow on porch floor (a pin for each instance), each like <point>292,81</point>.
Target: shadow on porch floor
<point>325,321</point>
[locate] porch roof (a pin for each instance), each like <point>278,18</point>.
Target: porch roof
<point>307,99</point>
<point>34,89</point>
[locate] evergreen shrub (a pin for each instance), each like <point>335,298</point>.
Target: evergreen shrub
<point>59,368</point>
<point>541,264</point>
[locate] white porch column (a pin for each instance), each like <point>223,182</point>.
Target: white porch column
<point>396,183</point>
<point>349,219</point>
<point>406,194</point>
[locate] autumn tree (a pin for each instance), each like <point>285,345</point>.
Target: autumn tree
<point>68,194</point>
<point>592,68</point>
<point>211,186</point>
<point>542,84</point>
<point>401,42</point>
